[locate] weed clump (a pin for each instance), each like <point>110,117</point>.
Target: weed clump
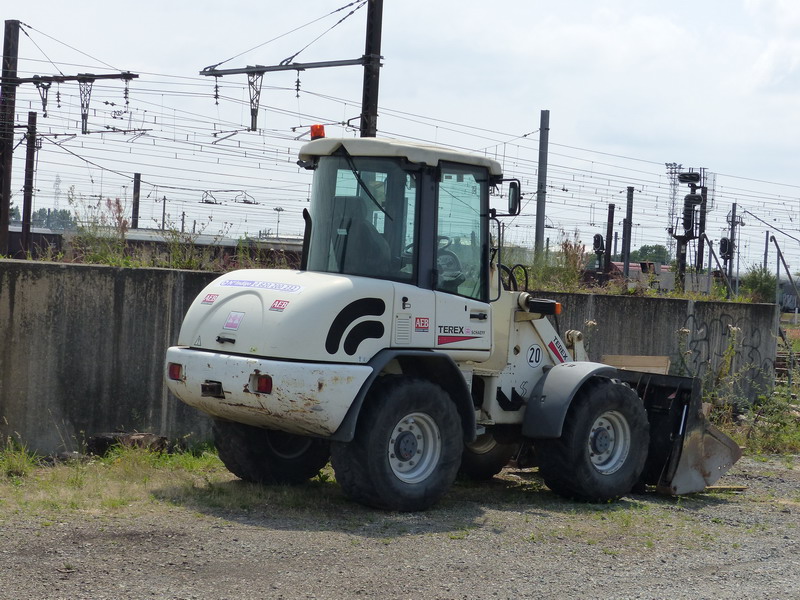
<point>16,461</point>
<point>770,426</point>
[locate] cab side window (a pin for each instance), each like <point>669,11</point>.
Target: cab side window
<point>460,231</point>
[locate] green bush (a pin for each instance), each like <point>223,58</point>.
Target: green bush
<point>772,426</point>
<point>759,284</point>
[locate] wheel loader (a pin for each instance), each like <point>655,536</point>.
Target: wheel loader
<point>404,351</point>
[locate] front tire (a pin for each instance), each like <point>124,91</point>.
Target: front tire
<point>268,456</point>
<point>406,450</point>
<point>603,446</point>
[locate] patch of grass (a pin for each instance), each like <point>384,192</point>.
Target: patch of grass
<point>98,234</point>
<point>116,502</point>
<point>563,271</point>
<point>770,426</point>
<point>127,479</point>
<point>461,534</point>
<point>76,477</point>
<point>767,424</point>
<point>16,461</point>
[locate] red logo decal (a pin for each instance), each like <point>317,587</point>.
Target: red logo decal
<point>210,298</point>
<point>421,323</point>
<point>453,339</point>
<point>556,352</point>
<point>279,305</point>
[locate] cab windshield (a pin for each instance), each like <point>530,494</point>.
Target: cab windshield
<point>363,214</point>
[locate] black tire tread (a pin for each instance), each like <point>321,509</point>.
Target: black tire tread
<point>246,452</point>
<point>356,463</point>
<point>482,466</point>
<point>564,463</point>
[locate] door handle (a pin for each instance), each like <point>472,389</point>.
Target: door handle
<point>481,316</point>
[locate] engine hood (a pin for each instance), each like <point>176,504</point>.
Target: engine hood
<point>294,315</point>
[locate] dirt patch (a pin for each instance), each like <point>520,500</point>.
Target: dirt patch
<point>508,538</point>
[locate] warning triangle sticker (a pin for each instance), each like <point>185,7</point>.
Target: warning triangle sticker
<point>197,342</point>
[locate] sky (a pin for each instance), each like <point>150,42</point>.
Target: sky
<point>630,85</point>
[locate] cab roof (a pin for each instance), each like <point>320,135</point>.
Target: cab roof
<point>414,152</point>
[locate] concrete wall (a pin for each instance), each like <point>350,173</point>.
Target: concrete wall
<point>83,351</point>
<point>702,339</point>
<point>84,346</point>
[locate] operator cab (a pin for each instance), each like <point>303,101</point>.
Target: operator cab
<point>401,212</point>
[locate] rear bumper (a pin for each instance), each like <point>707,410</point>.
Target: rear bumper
<point>306,398</point>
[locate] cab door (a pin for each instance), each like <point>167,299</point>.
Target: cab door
<point>462,324</point>
<point>463,317</point>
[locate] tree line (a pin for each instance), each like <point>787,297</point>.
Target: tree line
<point>47,218</point>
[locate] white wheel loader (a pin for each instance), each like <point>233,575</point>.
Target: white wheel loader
<point>404,352</point>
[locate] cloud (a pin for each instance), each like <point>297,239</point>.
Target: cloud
<point>776,23</point>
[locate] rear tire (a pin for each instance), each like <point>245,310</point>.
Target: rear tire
<point>268,456</point>
<point>603,446</point>
<point>485,457</point>
<point>406,450</point>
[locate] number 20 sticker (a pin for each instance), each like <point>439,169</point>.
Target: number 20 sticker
<point>535,355</point>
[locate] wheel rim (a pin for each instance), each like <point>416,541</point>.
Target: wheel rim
<point>609,442</point>
<point>414,447</point>
<point>483,444</point>
<point>286,445</point>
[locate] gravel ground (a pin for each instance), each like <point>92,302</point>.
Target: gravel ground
<point>508,538</point>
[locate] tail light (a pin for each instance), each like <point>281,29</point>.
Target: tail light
<point>175,371</point>
<point>261,384</point>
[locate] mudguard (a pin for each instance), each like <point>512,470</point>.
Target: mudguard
<point>553,393</point>
<point>686,453</point>
<point>435,366</point>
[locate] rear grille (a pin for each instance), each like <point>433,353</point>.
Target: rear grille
<point>402,329</point>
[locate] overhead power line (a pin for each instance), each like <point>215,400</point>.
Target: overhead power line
<point>262,44</point>
<point>177,155</point>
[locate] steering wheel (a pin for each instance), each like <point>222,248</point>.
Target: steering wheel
<point>447,262</point>
<point>451,274</point>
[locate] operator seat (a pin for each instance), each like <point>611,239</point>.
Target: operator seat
<point>358,246</point>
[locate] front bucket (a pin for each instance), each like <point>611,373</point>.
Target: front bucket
<point>687,453</point>
<point>707,454</point>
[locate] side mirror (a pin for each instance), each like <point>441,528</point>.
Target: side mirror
<point>513,197</point>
